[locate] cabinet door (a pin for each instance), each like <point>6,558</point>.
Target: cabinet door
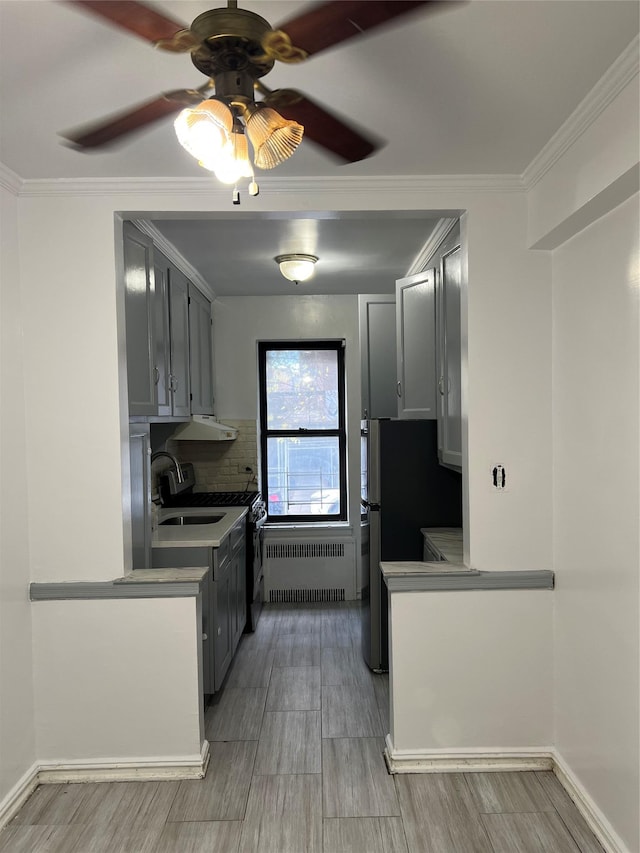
<point>242,589</point>
<point>139,281</point>
<point>200,353</point>
<point>221,607</point>
<point>450,381</point>
<point>416,351</point>
<point>162,335</point>
<point>377,346</point>
<point>239,592</point>
<point>179,326</point>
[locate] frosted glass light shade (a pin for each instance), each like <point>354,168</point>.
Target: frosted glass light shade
<point>232,162</point>
<point>273,137</point>
<point>204,130</point>
<point>297,267</point>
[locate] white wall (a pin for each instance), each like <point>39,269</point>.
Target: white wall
<point>596,383</point>
<point>17,747</point>
<point>76,426</point>
<point>117,680</point>
<point>600,168</point>
<point>471,671</point>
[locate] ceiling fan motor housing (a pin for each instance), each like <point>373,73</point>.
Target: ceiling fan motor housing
<point>231,41</point>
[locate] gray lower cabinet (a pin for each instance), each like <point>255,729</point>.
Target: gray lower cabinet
<point>224,598</point>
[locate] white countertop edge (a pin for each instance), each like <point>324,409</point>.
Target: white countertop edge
<point>110,590</point>
<point>411,568</point>
<point>197,535</point>
<point>399,579</point>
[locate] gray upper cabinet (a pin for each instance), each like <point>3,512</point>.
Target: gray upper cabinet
<point>140,307</point>
<point>448,260</point>
<point>172,339</point>
<point>416,346</point>
<point>168,329</point>
<point>377,315</point>
<point>179,380</point>
<point>162,337</point>
<point>200,353</point>
<point>450,374</point>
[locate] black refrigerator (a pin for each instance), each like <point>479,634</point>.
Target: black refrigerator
<point>404,488</point>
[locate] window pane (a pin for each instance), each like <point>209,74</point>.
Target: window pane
<point>303,475</point>
<point>302,389</point>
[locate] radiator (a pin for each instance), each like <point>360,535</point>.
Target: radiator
<point>306,571</point>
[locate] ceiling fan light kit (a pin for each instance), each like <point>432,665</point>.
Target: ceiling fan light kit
<point>234,48</point>
<point>205,129</point>
<point>296,267</point>
<point>273,137</point>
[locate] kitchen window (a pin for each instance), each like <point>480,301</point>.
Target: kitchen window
<point>302,430</point>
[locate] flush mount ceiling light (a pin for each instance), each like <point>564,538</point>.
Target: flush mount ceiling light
<point>296,267</point>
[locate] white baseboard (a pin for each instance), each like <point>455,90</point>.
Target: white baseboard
<point>11,804</point>
<point>488,760</point>
<point>138,770</point>
<point>598,823</point>
<point>465,760</point>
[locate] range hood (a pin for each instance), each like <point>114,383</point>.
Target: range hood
<point>204,428</point>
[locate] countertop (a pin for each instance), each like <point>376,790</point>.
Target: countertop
<point>187,575</point>
<point>195,535</point>
<point>445,540</point>
<point>451,574</point>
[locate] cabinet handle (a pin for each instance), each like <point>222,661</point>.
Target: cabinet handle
<point>156,375</point>
<point>441,386</point>
<point>204,638</point>
<point>399,389</point>
<point>173,382</point>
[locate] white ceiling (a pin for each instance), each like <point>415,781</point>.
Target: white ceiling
<point>476,88</point>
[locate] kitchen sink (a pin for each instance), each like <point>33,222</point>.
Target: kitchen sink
<point>193,519</point>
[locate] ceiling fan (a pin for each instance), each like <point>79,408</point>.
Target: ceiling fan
<point>234,48</point>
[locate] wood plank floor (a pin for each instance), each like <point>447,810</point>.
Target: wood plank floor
<point>297,735</point>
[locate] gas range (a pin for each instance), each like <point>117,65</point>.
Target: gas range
<point>182,495</point>
<point>253,500</point>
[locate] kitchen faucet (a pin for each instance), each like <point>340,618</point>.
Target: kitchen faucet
<point>158,453</point>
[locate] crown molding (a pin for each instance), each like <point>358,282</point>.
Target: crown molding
<point>9,180</point>
<point>612,82</point>
<point>371,186</point>
<point>169,250</point>
<point>443,226</point>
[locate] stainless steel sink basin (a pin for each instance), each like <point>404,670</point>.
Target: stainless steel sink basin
<point>193,519</point>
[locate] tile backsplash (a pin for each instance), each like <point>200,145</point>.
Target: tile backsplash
<point>220,465</point>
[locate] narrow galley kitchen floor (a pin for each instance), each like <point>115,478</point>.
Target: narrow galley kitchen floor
<point>297,735</point>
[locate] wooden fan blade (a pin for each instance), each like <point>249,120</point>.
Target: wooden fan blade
<point>330,23</point>
<point>135,17</point>
<point>114,127</point>
<point>321,126</point>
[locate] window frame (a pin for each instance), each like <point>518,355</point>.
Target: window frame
<point>338,346</point>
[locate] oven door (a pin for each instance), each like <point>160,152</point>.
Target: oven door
<point>258,553</point>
